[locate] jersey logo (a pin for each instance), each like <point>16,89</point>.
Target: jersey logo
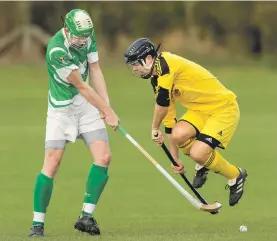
<point>62,59</point>
<point>176,92</point>
<point>220,133</point>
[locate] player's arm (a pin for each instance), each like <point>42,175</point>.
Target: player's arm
<point>173,149</point>
<point>89,93</point>
<point>160,111</point>
<point>96,75</point>
<point>169,121</point>
<point>165,83</point>
<point>67,73</point>
<point>98,81</point>
<point>165,112</point>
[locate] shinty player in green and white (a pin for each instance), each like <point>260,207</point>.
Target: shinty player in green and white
<point>75,110</point>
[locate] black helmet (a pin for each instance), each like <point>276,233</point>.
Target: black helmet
<point>137,53</point>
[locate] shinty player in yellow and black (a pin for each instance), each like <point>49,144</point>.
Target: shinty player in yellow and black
<point>211,118</point>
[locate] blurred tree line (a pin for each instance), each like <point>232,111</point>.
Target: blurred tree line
<point>245,27</point>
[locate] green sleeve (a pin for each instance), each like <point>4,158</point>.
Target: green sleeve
<point>92,55</point>
<point>61,62</point>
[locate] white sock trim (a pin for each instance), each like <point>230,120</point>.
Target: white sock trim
<point>198,167</point>
<point>88,207</point>
<point>38,217</point>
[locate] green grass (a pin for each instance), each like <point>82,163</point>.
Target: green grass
<point>138,202</point>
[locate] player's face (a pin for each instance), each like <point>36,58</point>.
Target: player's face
<point>79,41</point>
<point>76,41</point>
<point>138,69</point>
<point>141,68</point>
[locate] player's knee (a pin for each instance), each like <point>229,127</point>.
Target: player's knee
<point>200,153</point>
<point>52,161</point>
<point>179,136</point>
<point>104,160</point>
<point>107,158</point>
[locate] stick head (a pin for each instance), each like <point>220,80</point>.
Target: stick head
<point>215,207</point>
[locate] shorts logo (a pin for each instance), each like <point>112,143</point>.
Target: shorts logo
<point>209,139</point>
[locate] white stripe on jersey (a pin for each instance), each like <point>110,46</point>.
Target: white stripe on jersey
<point>59,102</point>
<point>59,81</point>
<point>64,72</point>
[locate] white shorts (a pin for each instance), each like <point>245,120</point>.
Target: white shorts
<point>63,126</point>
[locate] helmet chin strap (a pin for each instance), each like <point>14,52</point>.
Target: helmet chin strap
<point>67,34</point>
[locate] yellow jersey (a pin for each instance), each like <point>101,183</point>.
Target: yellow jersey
<point>194,87</point>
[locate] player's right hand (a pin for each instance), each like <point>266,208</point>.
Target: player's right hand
<point>178,169</point>
<point>111,119</point>
<point>157,136</point>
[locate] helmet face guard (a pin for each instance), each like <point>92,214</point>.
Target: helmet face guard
<point>135,57</point>
<point>139,68</point>
<point>78,42</point>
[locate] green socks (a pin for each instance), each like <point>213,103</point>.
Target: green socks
<point>97,179</point>
<point>42,195</point>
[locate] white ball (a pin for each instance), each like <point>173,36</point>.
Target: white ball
<point>243,228</point>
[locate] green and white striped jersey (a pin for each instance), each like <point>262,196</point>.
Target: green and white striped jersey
<point>61,60</point>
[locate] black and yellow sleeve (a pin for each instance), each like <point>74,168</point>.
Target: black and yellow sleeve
<point>162,86</point>
<point>164,82</point>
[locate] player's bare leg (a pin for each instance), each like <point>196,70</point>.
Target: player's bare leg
<point>97,179</point>
<point>206,156</point>
<point>44,186</point>
<point>184,135</point>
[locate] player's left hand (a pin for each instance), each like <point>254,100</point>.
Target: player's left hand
<point>178,169</point>
<point>157,136</point>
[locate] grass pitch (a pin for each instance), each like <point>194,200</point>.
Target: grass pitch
<point>138,202</point>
